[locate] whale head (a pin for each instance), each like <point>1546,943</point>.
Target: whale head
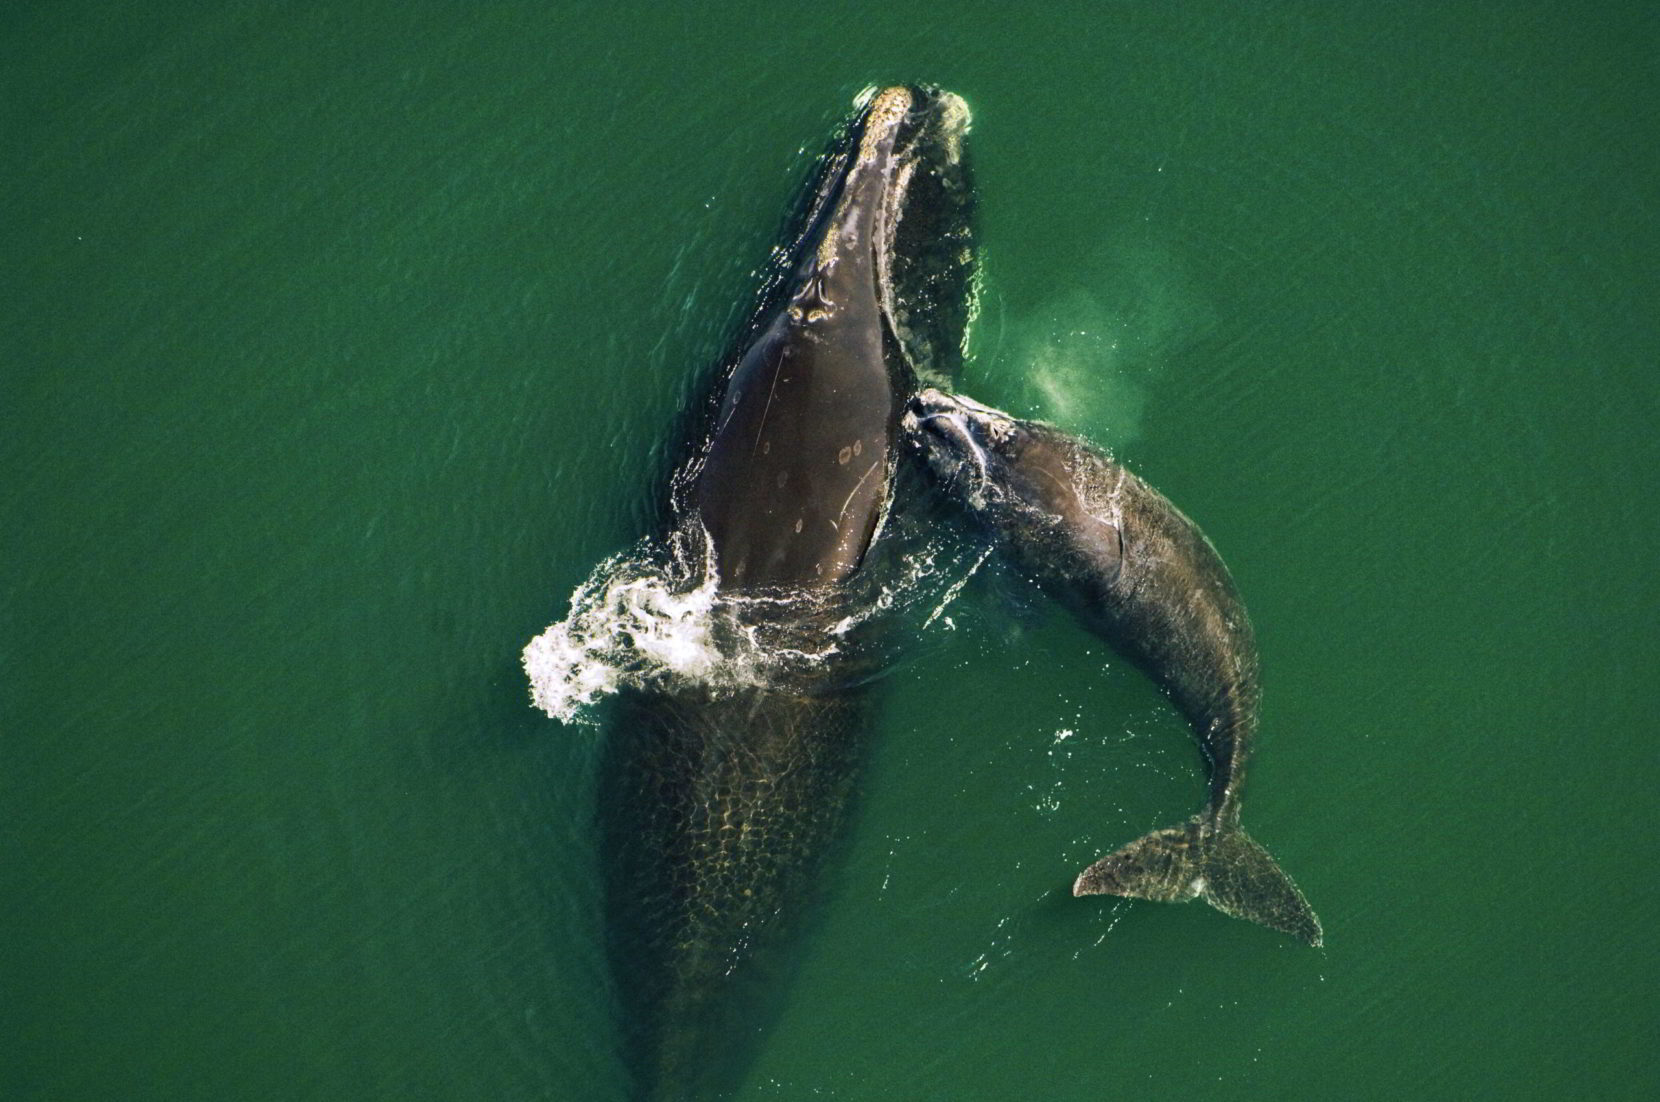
<point>895,185</point>
<point>969,446</point>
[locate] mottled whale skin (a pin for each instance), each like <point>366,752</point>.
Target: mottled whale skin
<point>719,808</point>
<point>1143,576</point>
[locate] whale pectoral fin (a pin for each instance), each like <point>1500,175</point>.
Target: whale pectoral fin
<point>1229,870</point>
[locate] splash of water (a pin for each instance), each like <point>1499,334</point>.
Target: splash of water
<point>653,618</point>
<point>637,621</point>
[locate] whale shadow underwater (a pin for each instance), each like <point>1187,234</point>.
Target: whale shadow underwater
<point>805,479</point>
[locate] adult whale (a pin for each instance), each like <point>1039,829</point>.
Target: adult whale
<point>1142,575</point>
<point>720,803</point>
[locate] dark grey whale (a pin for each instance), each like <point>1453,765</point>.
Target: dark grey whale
<point>1139,573</point>
<point>719,806</point>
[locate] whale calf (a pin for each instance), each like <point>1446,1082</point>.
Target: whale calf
<point>1139,573</point>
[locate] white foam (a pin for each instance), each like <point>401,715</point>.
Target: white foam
<point>651,618</point>
<point>633,622</point>
<point>951,593</point>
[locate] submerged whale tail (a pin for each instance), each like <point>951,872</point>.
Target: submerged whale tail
<point>1225,867</point>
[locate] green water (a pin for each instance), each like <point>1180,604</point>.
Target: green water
<point>338,343</point>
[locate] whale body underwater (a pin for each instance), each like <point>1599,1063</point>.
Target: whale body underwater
<point>828,426</point>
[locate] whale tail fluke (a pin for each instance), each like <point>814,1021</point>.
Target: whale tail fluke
<point>1225,867</point>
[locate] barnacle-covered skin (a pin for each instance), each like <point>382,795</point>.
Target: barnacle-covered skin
<point>720,806</point>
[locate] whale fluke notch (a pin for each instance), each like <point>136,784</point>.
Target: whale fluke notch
<point>1223,866</point>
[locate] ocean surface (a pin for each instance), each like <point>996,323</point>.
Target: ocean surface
<point>340,342</point>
